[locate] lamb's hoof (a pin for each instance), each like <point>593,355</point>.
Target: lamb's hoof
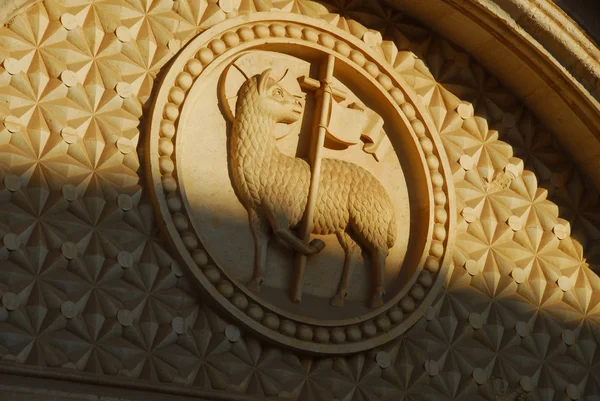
<point>337,300</point>
<point>376,301</point>
<point>377,298</point>
<point>254,285</point>
<point>316,246</point>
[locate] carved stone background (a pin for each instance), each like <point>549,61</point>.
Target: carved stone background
<point>87,283</point>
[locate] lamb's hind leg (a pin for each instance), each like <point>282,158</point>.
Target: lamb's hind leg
<point>378,268</point>
<point>351,248</point>
<point>282,230</point>
<point>260,232</point>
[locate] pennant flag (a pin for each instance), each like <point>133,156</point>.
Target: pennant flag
<point>349,125</point>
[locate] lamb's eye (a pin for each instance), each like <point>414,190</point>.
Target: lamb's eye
<point>278,93</point>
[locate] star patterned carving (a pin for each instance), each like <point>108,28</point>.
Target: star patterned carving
<point>87,283</point>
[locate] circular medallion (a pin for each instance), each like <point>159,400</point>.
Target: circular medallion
<point>300,184</point>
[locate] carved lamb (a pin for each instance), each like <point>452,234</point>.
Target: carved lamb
<point>273,187</point>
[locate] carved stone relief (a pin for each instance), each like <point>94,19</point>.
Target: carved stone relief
<point>92,290</point>
<point>315,180</point>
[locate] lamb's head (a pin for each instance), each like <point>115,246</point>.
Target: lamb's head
<point>261,94</point>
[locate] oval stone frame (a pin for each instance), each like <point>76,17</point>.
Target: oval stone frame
<point>243,34</point>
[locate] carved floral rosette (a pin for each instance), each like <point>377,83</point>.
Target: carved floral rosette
<point>400,310</point>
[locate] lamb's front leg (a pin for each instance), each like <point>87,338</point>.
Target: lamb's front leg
<point>351,249</point>
<point>280,225</point>
<point>260,232</point>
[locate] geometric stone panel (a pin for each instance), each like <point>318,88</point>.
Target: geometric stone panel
<point>91,291</point>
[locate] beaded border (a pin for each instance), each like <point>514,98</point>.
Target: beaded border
<point>326,338</point>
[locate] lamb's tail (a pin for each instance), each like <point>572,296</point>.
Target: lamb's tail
<point>391,234</point>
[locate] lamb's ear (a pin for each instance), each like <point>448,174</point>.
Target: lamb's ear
<point>263,79</point>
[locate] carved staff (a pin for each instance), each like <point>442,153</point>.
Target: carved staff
<point>309,214</point>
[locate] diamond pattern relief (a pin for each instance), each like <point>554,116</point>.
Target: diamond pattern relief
<point>86,282</point>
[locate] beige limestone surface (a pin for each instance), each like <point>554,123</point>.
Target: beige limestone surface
<point>96,287</point>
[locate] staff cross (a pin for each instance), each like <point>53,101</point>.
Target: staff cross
<point>327,90</point>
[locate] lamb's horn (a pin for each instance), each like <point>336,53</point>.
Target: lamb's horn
<point>263,79</point>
